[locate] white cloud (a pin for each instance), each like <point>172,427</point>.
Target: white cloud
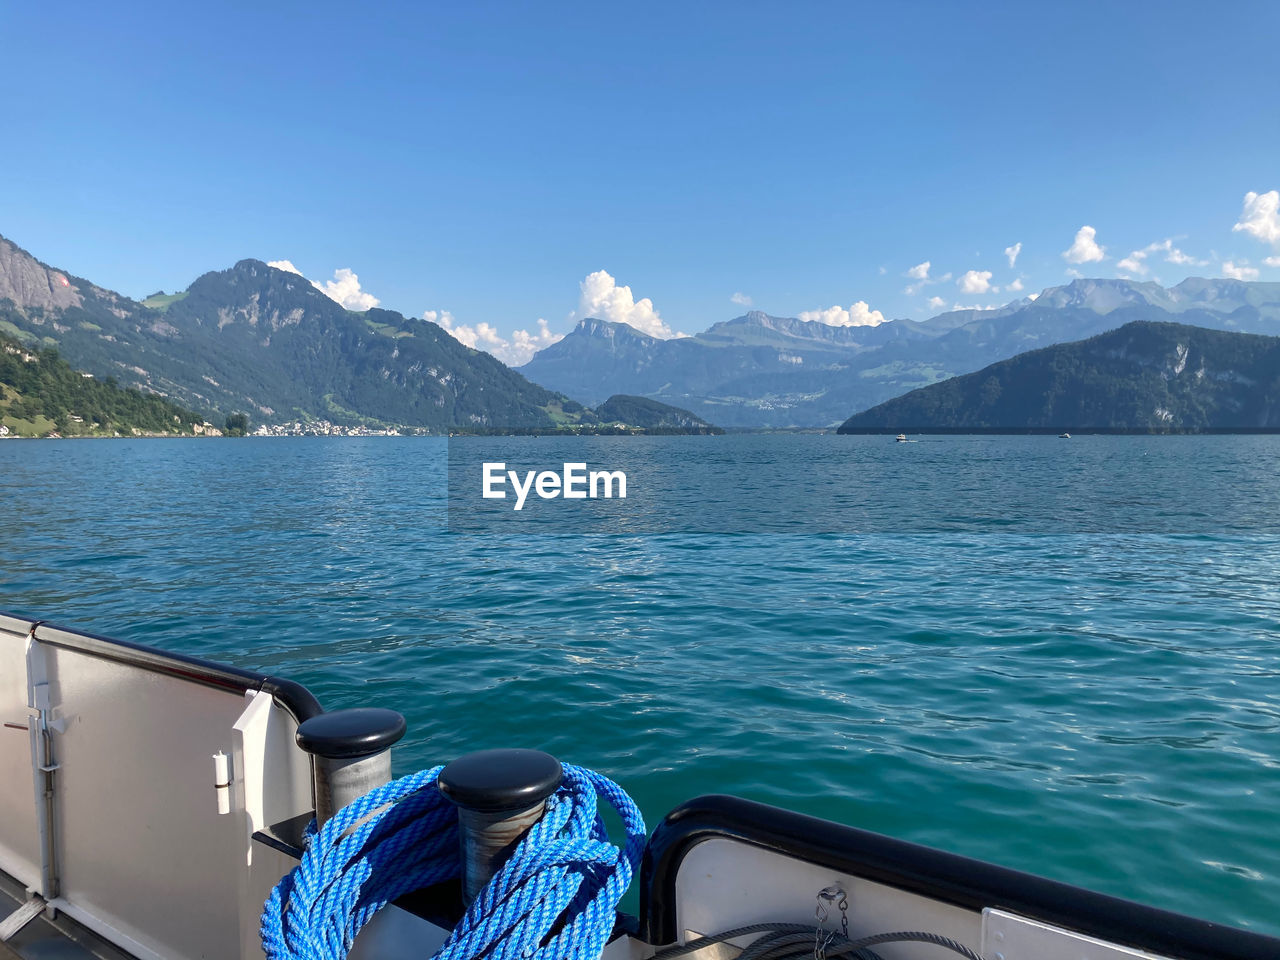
<point>484,336</point>
<point>1261,216</point>
<point>883,271</point>
<point>975,306</point>
<point>1176,256</point>
<point>602,298</point>
<point>1015,286</point>
<point>858,315</point>
<point>345,289</point>
<point>976,281</point>
<point>1085,249</point>
<point>479,337</point>
<point>464,335</point>
<point>1033,296</point>
<point>936,303</point>
<point>1272,261</point>
<point>525,344</point>
<point>1133,263</point>
<point>741,299</point>
<point>1241,272</point>
<point>488,335</point>
<point>1012,253</point>
<point>1073,272</point>
<point>920,275</point>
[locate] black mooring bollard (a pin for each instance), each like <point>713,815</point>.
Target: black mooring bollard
<point>350,754</point>
<point>499,794</point>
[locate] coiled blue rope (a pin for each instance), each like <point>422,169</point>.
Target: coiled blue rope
<point>564,870</point>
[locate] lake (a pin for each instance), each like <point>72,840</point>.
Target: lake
<point>1060,656</point>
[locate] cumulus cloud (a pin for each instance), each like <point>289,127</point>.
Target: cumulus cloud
<point>975,306</point>
<point>602,298</point>
<point>442,317</point>
<point>861,315</point>
<point>484,336</point>
<point>741,299</point>
<point>488,335</point>
<point>976,281</point>
<point>344,288</point>
<point>1261,216</point>
<point>481,336</point>
<point>525,344</point>
<point>1015,286</point>
<point>936,303</point>
<point>1240,272</point>
<point>858,315</point>
<point>1012,253</point>
<point>1085,249</point>
<point>1271,261</point>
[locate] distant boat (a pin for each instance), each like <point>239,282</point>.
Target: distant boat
<point>1064,436</point>
<point>902,438</point>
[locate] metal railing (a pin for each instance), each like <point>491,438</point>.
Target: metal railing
<point>108,806</point>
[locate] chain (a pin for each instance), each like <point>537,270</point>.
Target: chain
<point>822,938</point>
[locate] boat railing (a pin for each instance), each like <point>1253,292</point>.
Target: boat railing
<point>110,806</point>
<point>696,860</point>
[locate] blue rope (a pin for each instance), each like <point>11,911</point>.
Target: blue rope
<point>404,836</point>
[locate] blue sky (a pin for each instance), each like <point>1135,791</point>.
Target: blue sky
<point>488,159</point>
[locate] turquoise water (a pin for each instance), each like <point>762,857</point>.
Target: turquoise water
<point>1099,707</point>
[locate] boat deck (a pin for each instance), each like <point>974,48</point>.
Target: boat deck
<point>42,939</point>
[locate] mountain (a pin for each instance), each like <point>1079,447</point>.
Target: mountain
<point>651,416</point>
<point>751,371</point>
<point>40,394</point>
<point>264,341</point>
<point>1143,377</point>
<point>1240,303</point>
<point>269,336</point>
<point>759,370</point>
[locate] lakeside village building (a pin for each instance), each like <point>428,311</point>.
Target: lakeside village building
<point>319,428</point>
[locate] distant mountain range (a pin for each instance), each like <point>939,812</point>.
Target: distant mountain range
<point>1143,377</point>
<point>763,371</point>
<point>264,341</point>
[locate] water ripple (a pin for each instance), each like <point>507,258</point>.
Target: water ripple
<point>1097,708</point>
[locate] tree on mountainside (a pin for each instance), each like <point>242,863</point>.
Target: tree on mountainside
<point>237,425</point>
<point>43,385</point>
